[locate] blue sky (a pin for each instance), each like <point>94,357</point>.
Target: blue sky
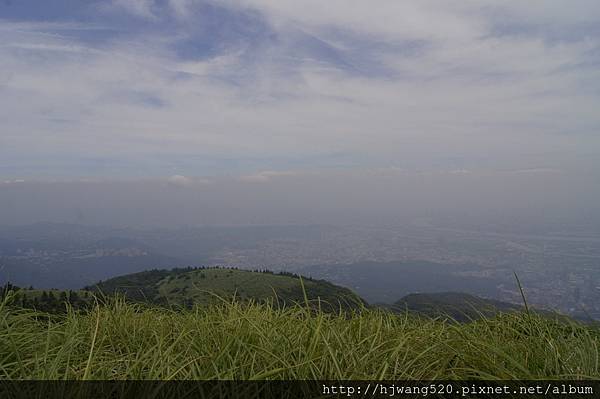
<point>262,88</point>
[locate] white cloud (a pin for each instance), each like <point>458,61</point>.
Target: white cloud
<point>453,19</point>
<point>390,18</point>
<point>464,98</point>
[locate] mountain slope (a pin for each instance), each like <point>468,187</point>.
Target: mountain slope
<point>211,285</point>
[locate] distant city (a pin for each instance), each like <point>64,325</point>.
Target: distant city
<point>558,271</point>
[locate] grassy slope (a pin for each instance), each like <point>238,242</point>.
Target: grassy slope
<point>205,286</point>
<point>236,341</point>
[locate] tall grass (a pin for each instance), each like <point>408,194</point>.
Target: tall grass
<point>120,340</point>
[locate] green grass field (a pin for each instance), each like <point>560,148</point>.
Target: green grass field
<point>257,341</point>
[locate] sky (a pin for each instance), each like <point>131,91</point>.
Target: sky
<point>191,92</point>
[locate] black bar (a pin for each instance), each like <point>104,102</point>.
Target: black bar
<point>298,389</point>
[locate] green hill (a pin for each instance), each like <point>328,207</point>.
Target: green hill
<point>455,305</point>
<point>188,287</point>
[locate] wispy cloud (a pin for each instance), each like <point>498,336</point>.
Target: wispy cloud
<point>458,85</point>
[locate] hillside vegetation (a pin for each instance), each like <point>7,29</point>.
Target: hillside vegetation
<point>234,340</point>
<point>204,286</point>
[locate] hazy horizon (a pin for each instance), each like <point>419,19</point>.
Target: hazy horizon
<point>539,198</point>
